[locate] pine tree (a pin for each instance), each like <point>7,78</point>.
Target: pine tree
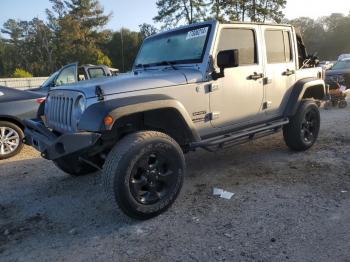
<point>173,12</point>
<point>77,25</point>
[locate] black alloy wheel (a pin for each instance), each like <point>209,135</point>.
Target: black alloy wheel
<point>152,178</point>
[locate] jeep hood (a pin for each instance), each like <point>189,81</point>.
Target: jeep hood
<point>136,81</point>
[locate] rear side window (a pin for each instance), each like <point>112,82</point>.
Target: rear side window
<point>243,40</point>
<point>96,73</point>
<point>278,46</point>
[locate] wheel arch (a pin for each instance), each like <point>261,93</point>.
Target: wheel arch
<point>157,112</point>
<point>13,120</point>
<point>308,88</point>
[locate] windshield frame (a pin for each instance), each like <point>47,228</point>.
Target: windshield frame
<point>50,80</point>
<point>169,33</point>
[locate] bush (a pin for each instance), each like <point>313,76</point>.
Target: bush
<point>20,73</point>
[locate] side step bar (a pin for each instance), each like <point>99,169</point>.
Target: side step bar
<point>239,137</point>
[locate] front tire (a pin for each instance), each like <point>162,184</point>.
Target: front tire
<point>302,131</point>
<point>144,174</point>
<point>11,137</point>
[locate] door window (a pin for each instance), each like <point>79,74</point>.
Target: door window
<point>67,76</point>
<point>243,40</point>
<point>278,46</point>
<point>96,73</point>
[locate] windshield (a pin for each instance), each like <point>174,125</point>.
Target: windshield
<point>183,46</point>
<point>342,65</point>
<point>50,80</point>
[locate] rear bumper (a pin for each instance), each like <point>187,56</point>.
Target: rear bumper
<point>52,146</point>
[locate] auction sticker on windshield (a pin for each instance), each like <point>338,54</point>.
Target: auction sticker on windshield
<point>197,33</point>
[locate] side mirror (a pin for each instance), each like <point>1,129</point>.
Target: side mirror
<point>226,59</point>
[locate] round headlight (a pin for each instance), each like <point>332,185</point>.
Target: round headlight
<point>81,105</point>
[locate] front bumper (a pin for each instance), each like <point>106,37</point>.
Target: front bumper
<point>52,146</point>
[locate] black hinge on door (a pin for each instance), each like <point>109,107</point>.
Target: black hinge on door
<point>267,105</point>
<point>213,88</point>
<point>266,81</point>
<point>264,105</point>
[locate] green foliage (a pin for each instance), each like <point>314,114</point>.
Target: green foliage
<point>173,12</point>
<point>102,59</point>
<point>328,36</point>
<point>77,27</point>
<point>20,73</point>
<point>147,30</point>
<point>123,48</point>
<point>73,32</point>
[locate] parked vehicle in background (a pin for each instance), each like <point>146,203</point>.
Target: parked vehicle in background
<point>343,56</point>
<point>73,73</point>
<point>326,65</point>
<point>207,85</point>
<point>114,71</point>
<point>339,74</point>
<point>338,79</point>
<point>17,105</point>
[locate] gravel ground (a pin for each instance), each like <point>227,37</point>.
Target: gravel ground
<point>287,207</point>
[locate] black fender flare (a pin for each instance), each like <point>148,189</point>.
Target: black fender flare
<point>93,118</point>
<point>305,88</point>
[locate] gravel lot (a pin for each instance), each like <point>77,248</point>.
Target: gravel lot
<point>287,207</point>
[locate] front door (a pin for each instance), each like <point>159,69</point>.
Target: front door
<point>237,98</point>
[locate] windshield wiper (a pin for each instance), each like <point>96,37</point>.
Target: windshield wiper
<point>169,63</point>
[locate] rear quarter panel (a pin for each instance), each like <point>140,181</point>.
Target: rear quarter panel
<point>20,110</point>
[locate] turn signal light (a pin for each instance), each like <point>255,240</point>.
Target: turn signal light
<point>108,120</point>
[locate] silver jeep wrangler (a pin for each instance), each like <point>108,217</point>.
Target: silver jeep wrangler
<point>206,85</point>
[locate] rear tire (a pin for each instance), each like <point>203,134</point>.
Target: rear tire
<point>302,131</point>
<point>328,105</point>
<point>144,174</point>
<point>11,139</point>
<point>73,166</point>
<point>343,104</point>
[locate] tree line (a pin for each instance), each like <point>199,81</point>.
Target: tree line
<point>173,12</point>
<point>75,30</point>
<point>327,36</point>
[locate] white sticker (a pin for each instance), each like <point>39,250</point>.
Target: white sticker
<point>197,33</point>
<point>1,93</point>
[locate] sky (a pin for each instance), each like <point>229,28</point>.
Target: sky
<point>131,13</point>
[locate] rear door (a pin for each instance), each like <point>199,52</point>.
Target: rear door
<point>237,98</point>
<point>280,67</point>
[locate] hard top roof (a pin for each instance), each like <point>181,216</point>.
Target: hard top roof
<point>254,23</point>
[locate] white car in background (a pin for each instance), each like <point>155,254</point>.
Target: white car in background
<point>343,56</point>
<point>326,65</point>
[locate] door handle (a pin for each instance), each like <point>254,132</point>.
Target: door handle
<point>256,76</point>
<point>288,72</point>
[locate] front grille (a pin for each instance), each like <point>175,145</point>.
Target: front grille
<point>59,111</point>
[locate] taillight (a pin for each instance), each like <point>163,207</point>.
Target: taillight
<point>40,100</point>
